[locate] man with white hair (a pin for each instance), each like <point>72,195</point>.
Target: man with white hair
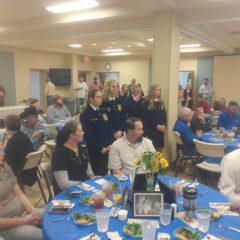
<point>183,128</point>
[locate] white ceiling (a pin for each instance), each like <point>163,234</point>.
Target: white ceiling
<point>123,24</point>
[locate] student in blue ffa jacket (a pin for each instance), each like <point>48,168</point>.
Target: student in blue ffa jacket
<point>98,132</point>
<point>134,103</point>
<point>230,118</point>
<point>185,131</point>
<point>155,117</point>
<point>114,107</point>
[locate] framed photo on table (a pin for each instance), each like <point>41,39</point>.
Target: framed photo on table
<point>147,204</point>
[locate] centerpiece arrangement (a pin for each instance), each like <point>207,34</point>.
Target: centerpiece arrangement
<point>151,163</point>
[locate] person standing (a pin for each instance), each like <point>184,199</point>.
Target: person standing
<point>81,89</point>
<point>206,90</point>
<point>2,95</point>
<point>155,117</point>
<point>49,91</point>
<point>96,84</point>
<point>114,107</point>
<point>134,103</point>
<point>98,133</point>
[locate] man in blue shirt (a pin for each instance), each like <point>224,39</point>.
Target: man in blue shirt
<point>185,131</point>
<point>230,118</point>
<point>36,131</point>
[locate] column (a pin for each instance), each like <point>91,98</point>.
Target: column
<point>165,71</point>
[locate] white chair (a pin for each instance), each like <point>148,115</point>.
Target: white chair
<point>183,154</point>
<point>33,160</point>
<point>46,169</point>
<point>205,149</point>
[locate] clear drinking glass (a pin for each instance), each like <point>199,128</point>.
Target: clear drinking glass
<point>102,216</point>
<point>203,219</point>
<point>107,189</point>
<point>165,214</point>
<point>148,230</point>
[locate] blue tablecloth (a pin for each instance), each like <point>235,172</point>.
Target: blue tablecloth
<point>230,145</point>
<point>66,229</point>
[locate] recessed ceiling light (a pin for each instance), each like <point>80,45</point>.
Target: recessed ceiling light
<point>113,42</point>
<point>190,45</point>
<point>75,45</point>
<point>150,39</point>
<point>128,45</point>
<point>113,50</point>
<point>181,37</point>
<point>94,44</point>
<point>109,47</point>
<point>72,6</point>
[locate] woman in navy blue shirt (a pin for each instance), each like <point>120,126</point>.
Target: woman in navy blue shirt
<point>98,132</point>
<point>155,117</point>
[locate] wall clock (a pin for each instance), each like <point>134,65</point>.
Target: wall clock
<point>108,66</point>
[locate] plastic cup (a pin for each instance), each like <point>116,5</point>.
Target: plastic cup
<point>203,219</point>
<point>165,214</point>
<point>107,189</point>
<point>148,231</point>
<point>102,216</point>
<point>98,198</point>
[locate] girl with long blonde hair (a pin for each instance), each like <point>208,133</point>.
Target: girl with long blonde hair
<point>113,105</point>
<point>155,117</point>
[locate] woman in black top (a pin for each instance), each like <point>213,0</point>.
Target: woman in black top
<point>70,160</point>
<point>198,122</point>
<point>18,146</point>
<point>155,117</point>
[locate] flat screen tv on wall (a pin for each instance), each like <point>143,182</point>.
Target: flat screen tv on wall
<point>60,76</point>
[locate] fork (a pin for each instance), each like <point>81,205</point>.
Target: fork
<point>231,228</point>
<point>59,219</point>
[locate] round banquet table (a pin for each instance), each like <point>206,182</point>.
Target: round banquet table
<point>67,229</point>
<point>229,144</point>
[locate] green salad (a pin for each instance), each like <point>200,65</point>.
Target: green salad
<point>84,218</point>
<point>133,229</point>
<point>87,200</point>
<point>115,186</point>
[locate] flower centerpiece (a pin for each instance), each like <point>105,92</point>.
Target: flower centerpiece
<point>151,163</point>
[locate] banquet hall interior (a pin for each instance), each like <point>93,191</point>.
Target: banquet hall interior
<point>172,43</point>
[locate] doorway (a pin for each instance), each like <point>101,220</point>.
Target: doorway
<point>37,83</point>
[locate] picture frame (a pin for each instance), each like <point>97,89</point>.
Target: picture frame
<point>147,204</point>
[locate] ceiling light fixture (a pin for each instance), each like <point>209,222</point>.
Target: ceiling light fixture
<point>190,45</point>
<point>128,46</point>
<point>150,39</point>
<point>72,6</point>
<point>113,50</point>
<point>113,42</point>
<point>94,44</point>
<point>75,45</point>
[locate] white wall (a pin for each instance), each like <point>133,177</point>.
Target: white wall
<point>226,77</point>
<point>128,67</point>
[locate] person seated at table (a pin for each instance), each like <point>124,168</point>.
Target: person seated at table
<point>229,183</point>
<point>58,112</point>
<point>18,218</point>
<point>34,102</point>
<point>185,131</point>
<point>198,122</point>
<point>230,118</point>
<point>202,103</point>
<point>18,146</point>
<point>36,131</point>
<point>123,151</point>
<point>70,163</point>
